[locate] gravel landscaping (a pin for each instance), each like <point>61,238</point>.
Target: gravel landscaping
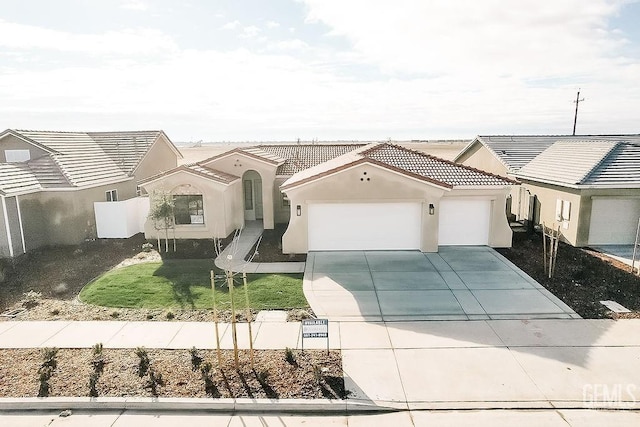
<point>313,374</point>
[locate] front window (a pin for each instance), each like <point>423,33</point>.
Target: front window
<point>111,195</point>
<point>188,209</point>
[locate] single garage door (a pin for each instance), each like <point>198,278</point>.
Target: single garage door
<point>362,226</point>
<point>464,222</point>
<point>614,221</point>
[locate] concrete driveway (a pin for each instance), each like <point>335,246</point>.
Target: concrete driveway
<point>457,283</point>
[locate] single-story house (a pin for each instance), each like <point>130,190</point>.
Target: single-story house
<point>49,181</point>
<point>338,197</point>
<point>589,186</point>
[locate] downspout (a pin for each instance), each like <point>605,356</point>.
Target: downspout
<point>6,225</point>
<point>24,246</point>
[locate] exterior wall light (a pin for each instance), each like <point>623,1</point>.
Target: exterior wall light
<point>432,209</point>
<point>298,210</point>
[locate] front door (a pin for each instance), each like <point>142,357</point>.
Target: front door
<point>252,195</point>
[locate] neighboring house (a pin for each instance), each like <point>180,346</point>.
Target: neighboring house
<point>345,196</point>
<point>587,185</point>
<point>50,180</point>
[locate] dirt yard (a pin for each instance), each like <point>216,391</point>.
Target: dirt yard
<point>582,277</point>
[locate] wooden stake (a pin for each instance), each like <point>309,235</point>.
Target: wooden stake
<point>544,245</point>
<point>246,298</point>
<point>234,332</point>
<point>215,318</point>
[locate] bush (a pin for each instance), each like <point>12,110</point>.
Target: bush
<point>48,366</point>
<point>290,357</point>
<point>144,362</point>
<point>196,359</point>
<point>147,247</point>
<point>155,380</point>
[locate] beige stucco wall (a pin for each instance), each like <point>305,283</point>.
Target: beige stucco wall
<point>65,217</point>
<point>281,212</point>
<point>223,211</point>
<point>237,164</point>
<point>480,157</point>
<point>547,196</point>
<point>159,158</point>
<point>10,142</point>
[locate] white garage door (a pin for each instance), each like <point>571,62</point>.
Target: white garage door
<point>359,226</point>
<point>614,221</point>
<point>464,222</point>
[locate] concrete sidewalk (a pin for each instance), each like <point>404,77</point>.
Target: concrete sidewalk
<point>232,257</point>
<point>535,364</point>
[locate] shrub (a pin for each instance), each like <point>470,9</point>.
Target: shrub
<point>144,362</point>
<point>147,247</point>
<point>49,364</point>
<point>196,359</point>
<point>93,384</point>
<point>209,386</point>
<point>170,315</point>
<point>98,359</point>
<point>155,380</point>
<point>114,314</point>
<point>290,357</point>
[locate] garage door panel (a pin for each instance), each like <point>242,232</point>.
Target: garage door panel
<point>464,222</point>
<point>359,226</point>
<point>614,221</point>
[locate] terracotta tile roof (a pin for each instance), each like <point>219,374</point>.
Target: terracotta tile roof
<point>298,157</point>
<point>406,161</point>
<point>433,168</point>
<point>214,174</point>
<point>198,169</point>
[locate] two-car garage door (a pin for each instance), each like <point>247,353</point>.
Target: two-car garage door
<point>359,226</point>
<point>395,226</point>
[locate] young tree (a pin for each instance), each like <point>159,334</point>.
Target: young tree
<point>161,213</point>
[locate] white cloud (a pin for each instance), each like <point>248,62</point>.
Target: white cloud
<point>231,25</point>
<point>413,70</point>
<point>291,44</point>
<point>134,5</point>
<point>250,31</point>
<point>125,42</point>
<point>272,24</point>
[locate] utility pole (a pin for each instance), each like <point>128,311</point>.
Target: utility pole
<point>575,118</point>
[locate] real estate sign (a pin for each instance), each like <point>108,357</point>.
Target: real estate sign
<point>315,328</point>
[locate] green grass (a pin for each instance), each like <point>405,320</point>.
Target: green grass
<point>185,284</point>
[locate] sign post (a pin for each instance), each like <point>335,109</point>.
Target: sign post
<point>315,328</point>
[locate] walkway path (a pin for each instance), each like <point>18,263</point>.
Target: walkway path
<point>232,257</point>
<point>539,364</point>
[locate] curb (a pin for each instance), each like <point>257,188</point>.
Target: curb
<point>243,405</point>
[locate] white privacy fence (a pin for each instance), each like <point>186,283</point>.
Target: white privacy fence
<point>118,220</point>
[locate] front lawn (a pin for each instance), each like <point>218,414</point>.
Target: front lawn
<point>186,284</point>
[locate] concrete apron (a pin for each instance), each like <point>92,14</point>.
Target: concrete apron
<point>458,283</point>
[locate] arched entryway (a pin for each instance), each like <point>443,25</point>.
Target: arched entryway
<point>252,196</point>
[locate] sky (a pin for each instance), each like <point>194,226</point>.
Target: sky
<point>257,70</point>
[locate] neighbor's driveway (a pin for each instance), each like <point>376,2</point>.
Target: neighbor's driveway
<point>458,283</point>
